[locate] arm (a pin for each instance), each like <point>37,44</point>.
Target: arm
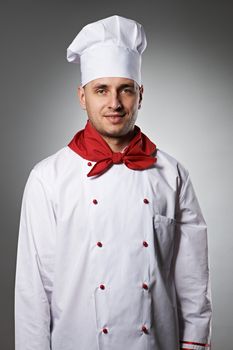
<point>192,271</point>
<point>34,267</point>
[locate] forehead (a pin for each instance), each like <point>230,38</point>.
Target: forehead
<point>112,82</point>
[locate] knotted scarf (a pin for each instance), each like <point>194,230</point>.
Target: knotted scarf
<point>90,145</point>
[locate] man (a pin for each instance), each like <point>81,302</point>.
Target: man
<point>112,250</point>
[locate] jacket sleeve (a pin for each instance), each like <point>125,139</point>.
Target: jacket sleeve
<point>34,267</point>
<point>192,271</point>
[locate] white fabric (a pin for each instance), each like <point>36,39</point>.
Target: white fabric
<point>110,47</point>
<point>58,302</point>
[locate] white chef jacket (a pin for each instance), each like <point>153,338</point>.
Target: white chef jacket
<point>111,262</point>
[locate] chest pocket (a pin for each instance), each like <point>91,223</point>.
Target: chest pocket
<point>164,239</point>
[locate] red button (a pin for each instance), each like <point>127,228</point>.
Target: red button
<point>145,200</point>
<point>144,329</point>
<point>89,164</point>
<point>145,244</point>
<point>145,286</point>
<point>102,286</point>
<point>105,330</point>
<point>99,244</point>
<point>95,201</point>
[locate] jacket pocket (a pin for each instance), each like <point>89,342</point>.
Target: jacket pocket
<point>164,238</point>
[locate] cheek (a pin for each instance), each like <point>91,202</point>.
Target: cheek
<point>133,105</point>
<point>94,107</point>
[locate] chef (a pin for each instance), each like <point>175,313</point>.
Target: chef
<point>112,248</point>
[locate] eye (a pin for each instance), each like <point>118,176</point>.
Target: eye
<point>128,90</point>
<point>100,91</point>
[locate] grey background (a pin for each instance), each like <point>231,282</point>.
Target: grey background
<point>187,111</point>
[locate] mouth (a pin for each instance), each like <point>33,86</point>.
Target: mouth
<point>114,118</point>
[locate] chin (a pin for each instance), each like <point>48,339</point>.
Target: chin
<point>111,131</point>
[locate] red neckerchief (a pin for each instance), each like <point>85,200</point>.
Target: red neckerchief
<point>90,145</point>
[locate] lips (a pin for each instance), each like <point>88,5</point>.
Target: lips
<point>114,118</point>
<point>114,115</point>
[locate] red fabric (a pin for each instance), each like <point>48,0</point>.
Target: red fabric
<point>90,145</point>
<point>194,343</point>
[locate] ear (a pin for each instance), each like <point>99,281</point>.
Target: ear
<point>81,96</point>
<point>141,90</point>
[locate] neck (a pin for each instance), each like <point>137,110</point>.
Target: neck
<point>117,144</point>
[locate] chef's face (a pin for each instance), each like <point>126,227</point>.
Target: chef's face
<point>112,104</point>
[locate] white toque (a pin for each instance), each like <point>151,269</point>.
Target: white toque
<point>110,47</point>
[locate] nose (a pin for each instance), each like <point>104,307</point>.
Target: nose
<point>114,101</point>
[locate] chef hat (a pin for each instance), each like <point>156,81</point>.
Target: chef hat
<point>110,47</point>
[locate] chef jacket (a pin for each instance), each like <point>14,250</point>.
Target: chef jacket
<point>111,262</point>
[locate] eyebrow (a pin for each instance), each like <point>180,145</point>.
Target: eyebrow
<point>104,86</point>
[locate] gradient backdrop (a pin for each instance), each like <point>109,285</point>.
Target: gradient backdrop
<point>187,111</point>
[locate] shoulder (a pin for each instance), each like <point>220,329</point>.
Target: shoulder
<point>169,164</point>
<point>53,167</point>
